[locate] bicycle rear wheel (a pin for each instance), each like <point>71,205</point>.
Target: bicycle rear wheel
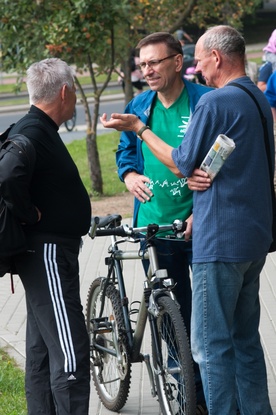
<point>174,376</point>
<point>111,377</point>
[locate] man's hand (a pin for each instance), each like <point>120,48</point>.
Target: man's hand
<point>199,180</point>
<point>188,231</point>
<point>135,183</point>
<point>122,122</point>
<point>38,214</point>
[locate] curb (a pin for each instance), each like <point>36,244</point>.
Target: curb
<point>12,351</point>
<point>25,107</point>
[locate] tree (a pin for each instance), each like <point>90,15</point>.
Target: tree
<point>70,31</point>
<point>231,12</point>
<point>98,36</point>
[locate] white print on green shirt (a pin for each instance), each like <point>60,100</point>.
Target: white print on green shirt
<point>175,185</point>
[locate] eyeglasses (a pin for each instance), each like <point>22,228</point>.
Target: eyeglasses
<point>152,64</point>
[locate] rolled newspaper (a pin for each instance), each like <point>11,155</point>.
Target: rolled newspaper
<point>216,156</point>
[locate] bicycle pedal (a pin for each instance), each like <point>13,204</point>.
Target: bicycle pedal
<point>101,325</point>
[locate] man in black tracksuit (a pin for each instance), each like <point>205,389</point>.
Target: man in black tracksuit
<point>57,346</point>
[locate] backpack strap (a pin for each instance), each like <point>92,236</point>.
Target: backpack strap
<point>265,130</point>
<point>19,143</point>
<point>5,134</point>
<point>269,160</point>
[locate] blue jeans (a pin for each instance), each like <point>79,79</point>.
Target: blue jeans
<point>225,338</point>
<point>176,256</point>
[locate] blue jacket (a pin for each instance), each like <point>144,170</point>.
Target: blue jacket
<point>270,91</point>
<point>129,154</point>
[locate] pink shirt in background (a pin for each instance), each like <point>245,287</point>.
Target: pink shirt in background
<point>271,46</point>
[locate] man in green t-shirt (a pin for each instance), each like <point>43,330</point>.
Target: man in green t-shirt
<point>161,197</point>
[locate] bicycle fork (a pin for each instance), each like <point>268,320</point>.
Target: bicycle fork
<point>152,312</point>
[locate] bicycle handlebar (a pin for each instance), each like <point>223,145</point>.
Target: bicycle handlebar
<point>109,228</point>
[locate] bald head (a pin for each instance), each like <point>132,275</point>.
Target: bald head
<point>226,40</point>
<point>220,55</point>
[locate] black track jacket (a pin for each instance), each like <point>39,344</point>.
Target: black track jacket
<point>56,187</point>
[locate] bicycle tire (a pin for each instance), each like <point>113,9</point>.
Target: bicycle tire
<point>111,379</point>
<point>70,124</point>
<point>176,391</point>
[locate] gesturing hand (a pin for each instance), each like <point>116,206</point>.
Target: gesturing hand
<point>122,122</point>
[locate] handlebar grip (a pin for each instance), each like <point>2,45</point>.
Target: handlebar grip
<point>118,231</point>
<point>94,223</point>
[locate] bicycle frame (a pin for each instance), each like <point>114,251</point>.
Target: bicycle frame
<point>116,338</point>
<point>147,307</point>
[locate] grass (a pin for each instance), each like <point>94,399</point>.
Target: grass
<point>257,60</point>
<point>107,146</point>
<point>12,392</point>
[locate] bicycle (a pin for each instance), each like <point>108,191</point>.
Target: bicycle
<point>70,124</point>
<point>115,344</point>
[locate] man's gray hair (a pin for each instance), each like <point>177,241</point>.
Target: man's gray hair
<point>225,39</point>
<point>46,78</point>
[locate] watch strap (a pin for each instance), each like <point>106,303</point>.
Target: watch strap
<point>140,132</point>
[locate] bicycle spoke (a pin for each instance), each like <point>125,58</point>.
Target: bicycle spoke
<point>111,376</point>
<point>174,379</point>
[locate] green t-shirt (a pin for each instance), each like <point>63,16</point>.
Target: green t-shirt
<point>172,199</point>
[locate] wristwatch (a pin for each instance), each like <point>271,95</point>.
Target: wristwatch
<point>140,132</point>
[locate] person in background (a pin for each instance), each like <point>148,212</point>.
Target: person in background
<point>57,344</point>
<point>270,50</point>
<point>137,78</point>
<point>159,198</point>
<point>232,223</point>
<point>183,37</point>
<point>270,93</point>
<point>264,73</point>
<point>269,64</point>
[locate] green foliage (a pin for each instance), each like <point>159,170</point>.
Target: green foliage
<point>18,18</point>
<point>31,30</point>
<point>12,392</point>
<point>229,12</point>
<point>107,146</point>
<point>98,35</point>
<point>76,29</point>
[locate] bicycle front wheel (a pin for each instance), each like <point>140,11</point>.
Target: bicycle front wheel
<point>174,374</point>
<point>110,375</point>
<point>70,124</point>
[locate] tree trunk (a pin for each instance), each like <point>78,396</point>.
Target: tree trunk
<point>91,133</point>
<point>127,80</point>
<point>91,143</point>
<point>92,152</point>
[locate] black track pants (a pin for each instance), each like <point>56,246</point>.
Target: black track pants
<point>57,345</point>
